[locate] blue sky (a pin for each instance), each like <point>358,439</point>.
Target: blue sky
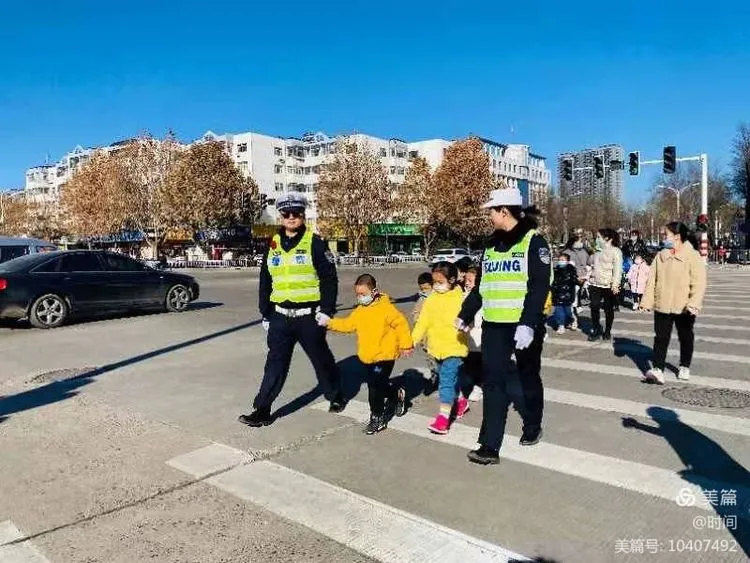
<point>562,75</point>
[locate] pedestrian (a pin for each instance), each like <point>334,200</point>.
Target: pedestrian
<point>675,293</point>
<point>424,282</point>
<point>511,291</point>
<point>472,369</point>
<point>383,336</point>
<point>638,278</point>
<point>445,344</point>
<point>297,295</point>
<point>564,285</point>
<point>579,257</point>
<point>463,265</point>
<point>634,246</point>
<point>606,280</point>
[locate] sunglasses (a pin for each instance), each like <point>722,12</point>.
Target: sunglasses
<point>292,214</point>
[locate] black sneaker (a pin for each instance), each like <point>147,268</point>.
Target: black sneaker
<point>256,419</point>
<point>400,402</point>
<point>531,435</point>
<point>594,336</point>
<point>337,405</point>
<point>607,337</point>
<point>376,424</point>
<point>484,456</point>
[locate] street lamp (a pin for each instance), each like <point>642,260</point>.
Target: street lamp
<point>677,192</point>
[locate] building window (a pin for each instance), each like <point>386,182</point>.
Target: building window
<point>307,170</point>
<point>401,154</point>
<point>242,147</point>
<point>278,169</point>
<point>393,169</point>
<point>393,152</point>
<point>279,187</point>
<point>400,170</point>
<point>243,167</point>
<point>383,153</point>
<point>290,169</point>
<point>277,151</point>
<point>413,154</point>
<point>316,151</point>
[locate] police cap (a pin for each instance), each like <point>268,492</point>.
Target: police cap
<point>293,201</point>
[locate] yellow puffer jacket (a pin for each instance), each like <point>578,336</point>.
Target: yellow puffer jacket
<point>436,322</point>
<point>382,330</point>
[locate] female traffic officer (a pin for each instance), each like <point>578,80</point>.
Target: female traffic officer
<point>512,289</point>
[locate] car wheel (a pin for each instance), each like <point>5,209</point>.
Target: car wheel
<point>48,311</point>
<point>178,298</point>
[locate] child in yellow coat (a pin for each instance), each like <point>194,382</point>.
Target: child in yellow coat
<point>382,337</point>
<point>445,342</point>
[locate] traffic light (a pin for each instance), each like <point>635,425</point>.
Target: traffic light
<point>635,163</point>
<point>670,159</point>
<point>702,223</point>
<point>567,169</point>
<point>599,167</point>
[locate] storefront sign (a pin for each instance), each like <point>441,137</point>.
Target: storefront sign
<point>394,229</point>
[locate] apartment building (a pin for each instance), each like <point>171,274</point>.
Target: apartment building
<point>585,183</point>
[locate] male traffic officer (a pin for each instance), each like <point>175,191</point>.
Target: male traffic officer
<point>511,292</point>
<point>298,290</point>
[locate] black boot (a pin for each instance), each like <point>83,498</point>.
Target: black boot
<point>259,417</point>
<point>531,435</point>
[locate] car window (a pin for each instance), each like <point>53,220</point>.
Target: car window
<point>49,267</point>
<point>11,252</point>
<point>119,263</point>
<point>80,263</point>
<point>444,251</point>
<point>462,252</point>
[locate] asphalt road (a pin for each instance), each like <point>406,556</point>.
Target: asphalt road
<point>142,459</point>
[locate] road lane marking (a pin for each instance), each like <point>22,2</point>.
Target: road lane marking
<point>638,346</point>
<point>376,530</point>
<point>605,369</point>
<point>20,552</point>
<point>698,326</point>
<point>698,337</point>
<point>630,312</point>
<point>628,475</point>
<point>209,460</point>
<point>723,423</point>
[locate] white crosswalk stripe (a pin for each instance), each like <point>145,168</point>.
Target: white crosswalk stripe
<point>699,327</point>
<point>698,337</point>
<point>633,476</point>
<point>14,551</point>
<point>374,529</point>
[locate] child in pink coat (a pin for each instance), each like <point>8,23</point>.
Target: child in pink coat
<point>638,278</point>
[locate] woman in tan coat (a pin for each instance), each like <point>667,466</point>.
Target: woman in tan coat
<point>675,293</point>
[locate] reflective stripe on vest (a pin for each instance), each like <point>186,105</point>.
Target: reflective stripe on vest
<point>504,282</point>
<point>293,274</point>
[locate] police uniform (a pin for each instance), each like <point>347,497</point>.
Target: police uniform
<point>298,284</point>
<point>511,291</point>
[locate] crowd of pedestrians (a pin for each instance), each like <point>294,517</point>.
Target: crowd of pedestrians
<point>480,327</point>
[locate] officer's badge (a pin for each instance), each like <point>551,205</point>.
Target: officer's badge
<point>276,261</point>
<point>544,255</point>
<point>300,259</point>
<point>330,257</point>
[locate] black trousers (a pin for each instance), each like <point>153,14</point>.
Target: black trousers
<point>471,373</point>
<point>663,322</point>
<point>378,385</point>
<point>602,297</point>
<point>283,333</point>
<point>498,375</point>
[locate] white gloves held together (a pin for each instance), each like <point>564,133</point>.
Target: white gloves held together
<point>524,334</point>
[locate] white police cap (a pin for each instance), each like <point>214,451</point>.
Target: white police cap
<point>506,197</point>
<point>292,200</point>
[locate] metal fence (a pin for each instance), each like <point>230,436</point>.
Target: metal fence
<point>252,263</point>
<point>732,256</point>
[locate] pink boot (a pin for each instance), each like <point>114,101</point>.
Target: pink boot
<point>440,425</point>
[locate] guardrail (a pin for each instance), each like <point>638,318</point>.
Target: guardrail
<point>250,263</point>
<point>732,256</point>
<point>245,263</point>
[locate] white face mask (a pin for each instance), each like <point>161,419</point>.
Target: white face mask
<point>440,287</point>
<point>578,245</point>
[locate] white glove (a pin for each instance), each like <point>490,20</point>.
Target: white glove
<point>461,326</point>
<point>322,319</point>
<point>265,323</point>
<point>524,337</point>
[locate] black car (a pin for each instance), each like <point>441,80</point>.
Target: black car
<point>47,289</point>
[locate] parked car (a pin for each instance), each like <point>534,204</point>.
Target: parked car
<point>451,255</point>
<point>48,289</point>
<point>11,248</point>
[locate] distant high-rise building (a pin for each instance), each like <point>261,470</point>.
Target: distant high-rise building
<point>585,183</point>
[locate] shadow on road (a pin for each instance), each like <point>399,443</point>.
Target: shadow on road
<point>535,560</point>
<point>639,353</point>
<point>707,465</point>
<point>57,391</point>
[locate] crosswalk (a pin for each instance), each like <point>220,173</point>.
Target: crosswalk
<point>14,548</point>
<point>388,533</point>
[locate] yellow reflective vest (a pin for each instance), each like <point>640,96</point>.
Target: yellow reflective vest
<point>293,273</point>
<point>504,282</point>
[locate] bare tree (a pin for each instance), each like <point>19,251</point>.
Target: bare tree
<point>462,183</point>
<point>740,181</point>
<point>207,190</point>
<point>415,201</point>
<point>14,211</point>
<point>353,192</point>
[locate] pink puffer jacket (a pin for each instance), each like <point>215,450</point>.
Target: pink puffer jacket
<point>638,277</point>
